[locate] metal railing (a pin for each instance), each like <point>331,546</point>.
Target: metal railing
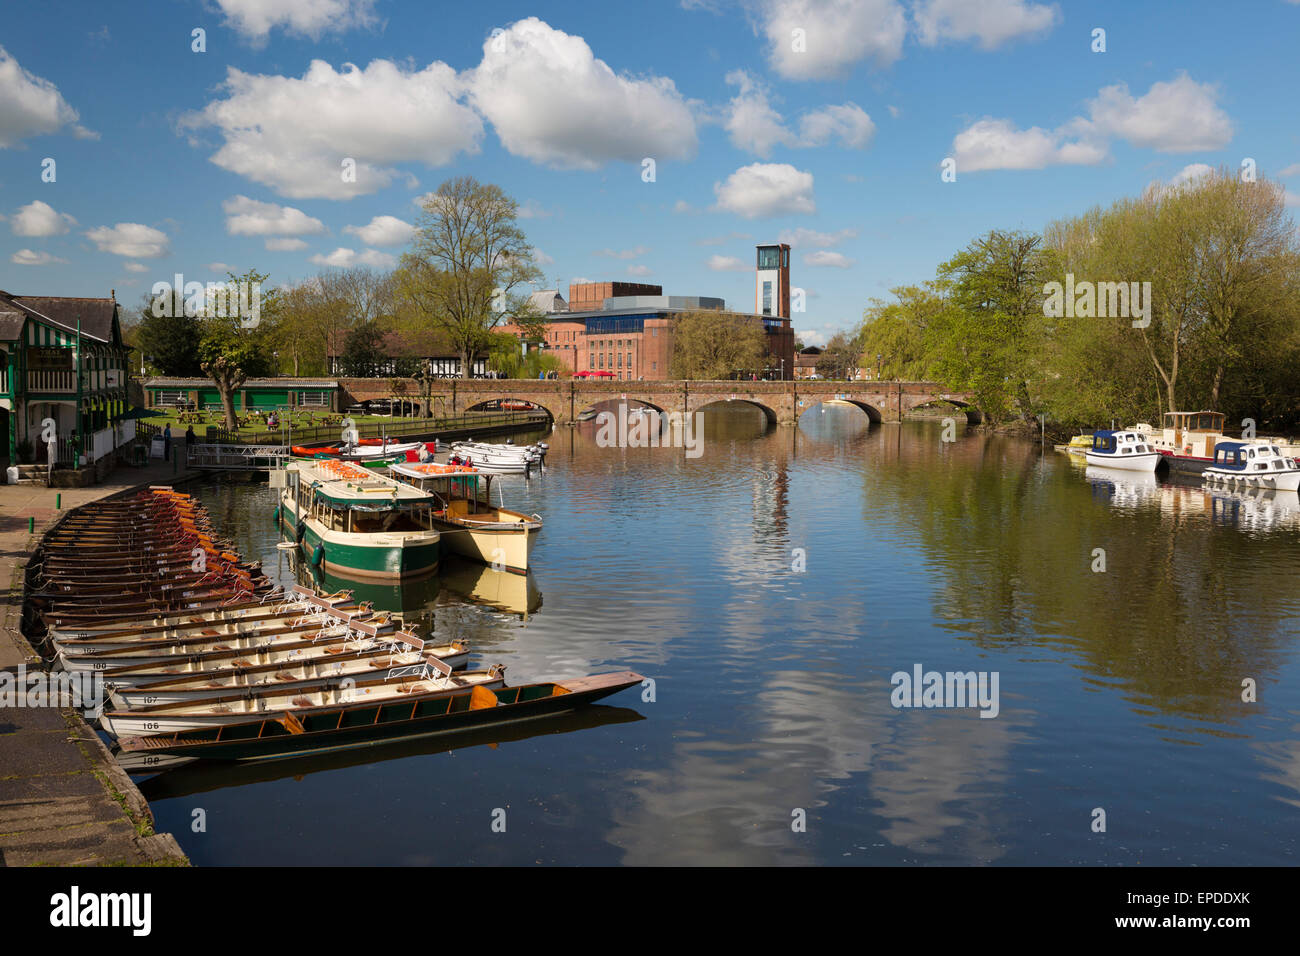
<point>393,429</point>
<point>238,457</point>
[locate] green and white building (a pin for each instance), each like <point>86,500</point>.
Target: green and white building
<point>63,359</point>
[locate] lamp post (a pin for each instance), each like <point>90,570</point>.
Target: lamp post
<point>879,372</point>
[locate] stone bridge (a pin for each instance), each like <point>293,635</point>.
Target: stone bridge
<point>566,399</point>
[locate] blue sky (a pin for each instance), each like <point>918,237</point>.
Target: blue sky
<point>169,160</point>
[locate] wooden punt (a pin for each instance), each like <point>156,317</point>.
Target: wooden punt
<point>320,730</point>
<point>215,663</point>
<point>431,678</point>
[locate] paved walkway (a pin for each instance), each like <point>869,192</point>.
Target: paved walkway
<point>63,798</point>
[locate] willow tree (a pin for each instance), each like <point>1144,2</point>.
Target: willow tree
<point>469,264</point>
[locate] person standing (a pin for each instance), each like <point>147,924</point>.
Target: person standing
<point>167,442</point>
<point>189,438</point>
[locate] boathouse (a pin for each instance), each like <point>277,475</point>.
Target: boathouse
<point>63,360</point>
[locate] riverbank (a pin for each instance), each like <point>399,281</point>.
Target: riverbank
<point>64,801</point>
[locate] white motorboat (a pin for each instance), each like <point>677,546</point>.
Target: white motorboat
<point>1129,451</point>
<point>1250,465</point>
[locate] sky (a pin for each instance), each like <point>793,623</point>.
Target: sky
<point>654,142</point>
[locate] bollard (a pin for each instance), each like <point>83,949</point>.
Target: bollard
<point>58,501</point>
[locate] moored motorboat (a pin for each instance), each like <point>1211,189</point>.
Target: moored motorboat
<point>1128,451</point>
<point>355,522</point>
<point>1253,466</point>
<point>470,524</point>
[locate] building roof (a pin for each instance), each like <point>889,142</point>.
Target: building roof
<point>548,301</point>
<point>11,324</point>
<point>286,382</point>
<point>96,315</point>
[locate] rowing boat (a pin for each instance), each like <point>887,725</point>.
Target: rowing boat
<point>324,729</point>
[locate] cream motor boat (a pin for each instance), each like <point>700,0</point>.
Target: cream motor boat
<point>464,514</point>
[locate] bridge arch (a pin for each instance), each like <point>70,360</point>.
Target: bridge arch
<point>973,414</point>
<point>768,413</point>
<point>490,403</point>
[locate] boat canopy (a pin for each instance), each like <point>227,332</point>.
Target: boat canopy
<point>1195,421</point>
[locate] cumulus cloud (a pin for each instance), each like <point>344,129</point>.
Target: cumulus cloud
<point>761,190</point>
<point>848,123</point>
<point>727,264</point>
<point>255,19</point>
<point>294,135</point>
<point>755,126</point>
<point>1177,116</point>
<point>216,267</point>
<point>130,239</point>
<point>836,34</point>
<point>683,208</point>
<point>801,237</point>
<point>383,231</point>
<point>1191,173</point>
<point>998,144</point>
<point>40,219</point>
<point>990,23</point>
<point>26,257</point>
<point>825,258</point>
<point>249,217</point>
<point>32,106</point>
<point>1294,168</point>
<point>342,258</point>
<point>552,101</point>
<point>639,270</point>
<point>1180,115</point>
<point>532,209</point>
<point>135,267</point>
<point>285,245</point>
<point>541,258</point>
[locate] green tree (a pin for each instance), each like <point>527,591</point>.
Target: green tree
<point>168,338</point>
<point>232,348</point>
<point>717,345</point>
<point>468,265</point>
<point>363,351</point>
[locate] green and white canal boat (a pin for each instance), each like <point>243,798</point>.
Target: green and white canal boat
<point>357,524</point>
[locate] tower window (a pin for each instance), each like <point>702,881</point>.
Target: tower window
<point>767,298</point>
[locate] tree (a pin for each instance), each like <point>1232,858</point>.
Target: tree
<point>363,352</point>
<point>167,337</point>
<point>717,345</point>
<point>841,357</point>
<point>230,351</point>
<point>468,265</point>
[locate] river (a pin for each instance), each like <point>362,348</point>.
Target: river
<point>772,588</point>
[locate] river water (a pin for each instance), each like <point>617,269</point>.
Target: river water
<point>771,588</point>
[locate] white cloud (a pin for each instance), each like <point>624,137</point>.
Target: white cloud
<point>1191,173</point>
<point>249,217</point>
<point>295,134</point>
<point>541,258</point>
<point>1177,116</point>
<point>255,19</point>
<point>639,270</point>
<point>894,111</point>
<point>990,22</point>
<point>727,264</point>
<point>342,258</point>
<point>26,257</point>
<point>998,144</point>
<point>848,123</point>
<point>217,267</point>
<point>40,219</point>
<point>801,237</point>
<point>836,33</point>
<point>552,101</point>
<point>809,337</point>
<point>756,127</point>
<point>824,258</point>
<point>135,267</point>
<point>285,245</point>
<point>581,280</point>
<point>32,106</point>
<point>383,231</point>
<point>1294,168</point>
<point>130,239</point>
<point>766,189</point>
<point>532,209</point>
<point>622,253</point>
<point>1291,199</point>
<point>682,207</point>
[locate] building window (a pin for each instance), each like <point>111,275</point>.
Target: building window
<point>767,298</point>
<point>654,366</point>
<point>654,333</point>
<point>629,359</point>
<point>768,257</point>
